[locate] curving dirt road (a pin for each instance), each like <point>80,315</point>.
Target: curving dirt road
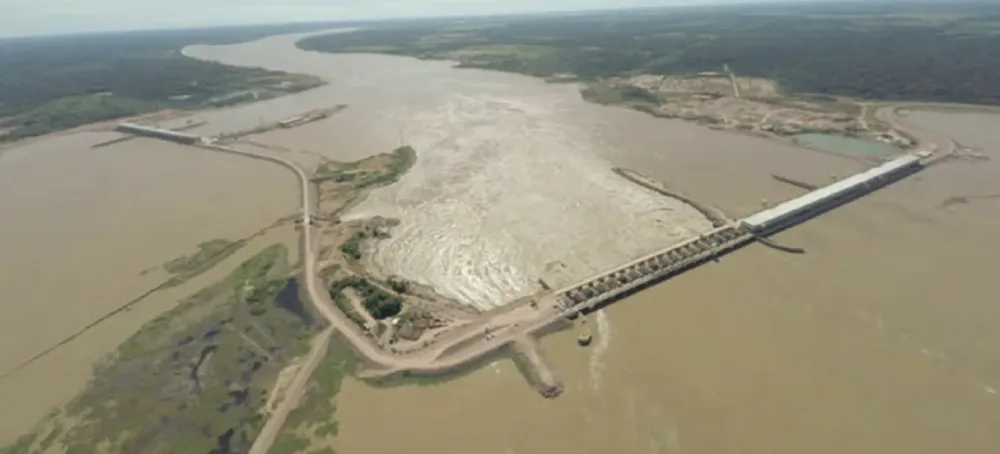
<point>319,299</point>
<point>318,296</point>
<point>294,392</point>
<point>382,362</point>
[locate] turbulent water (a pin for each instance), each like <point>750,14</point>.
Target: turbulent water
<point>881,338</point>
<point>507,186</point>
<point>862,344</point>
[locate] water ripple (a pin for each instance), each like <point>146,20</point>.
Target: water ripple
<point>502,187</point>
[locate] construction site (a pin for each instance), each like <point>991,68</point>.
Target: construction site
<point>753,105</point>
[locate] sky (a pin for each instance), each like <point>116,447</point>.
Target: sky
<point>43,17</point>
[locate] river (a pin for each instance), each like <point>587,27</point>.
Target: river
<point>87,230</point>
<point>880,338</point>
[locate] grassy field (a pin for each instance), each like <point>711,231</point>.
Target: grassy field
<point>601,93</point>
<point>209,254</point>
<point>310,428</point>
<point>400,162</point>
<point>195,378</point>
<point>378,170</point>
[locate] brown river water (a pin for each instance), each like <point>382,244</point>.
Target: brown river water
<point>879,339</point>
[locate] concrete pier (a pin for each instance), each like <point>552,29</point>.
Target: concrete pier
<point>529,360</point>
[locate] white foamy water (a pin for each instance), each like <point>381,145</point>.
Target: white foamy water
<point>483,214</point>
<point>735,362</point>
<point>511,176</point>
<point>597,364</point>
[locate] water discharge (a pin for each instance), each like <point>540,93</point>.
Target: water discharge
<point>881,338</point>
<point>597,360</point>
<point>504,188</point>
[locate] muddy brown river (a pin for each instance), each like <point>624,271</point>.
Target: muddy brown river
<point>881,338</point>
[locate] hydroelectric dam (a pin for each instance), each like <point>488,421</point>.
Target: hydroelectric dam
<point>608,286</point>
<point>635,275</point>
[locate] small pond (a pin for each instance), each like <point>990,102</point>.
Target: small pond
<point>847,145</point>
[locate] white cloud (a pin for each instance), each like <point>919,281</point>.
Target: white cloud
<point>31,17</point>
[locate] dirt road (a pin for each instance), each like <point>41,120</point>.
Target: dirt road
<point>294,392</point>
<point>318,295</point>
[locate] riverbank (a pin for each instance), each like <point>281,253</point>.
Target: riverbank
<point>769,324</point>
<point>579,168</point>
<point>720,100</point>
<point>251,296</point>
<point>66,81</point>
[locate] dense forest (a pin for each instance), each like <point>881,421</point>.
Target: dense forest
<point>53,83</point>
<point>931,52</point>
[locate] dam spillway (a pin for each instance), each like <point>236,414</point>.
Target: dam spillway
<point>622,280</point>
<point>632,276</point>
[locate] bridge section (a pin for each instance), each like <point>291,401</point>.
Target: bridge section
<point>652,268</point>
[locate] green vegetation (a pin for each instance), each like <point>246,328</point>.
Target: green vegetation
<point>288,443</point>
<point>352,248</point>
<point>22,445</point>
<point>323,450</point>
<point>73,111</point>
<point>326,169</point>
<point>402,159</point>
<point>348,309</point>
<point>53,83</point>
<point>315,413</point>
<point>193,379</point>
<point>601,93</point>
<point>379,303</point>
<point>209,254</point>
<point>894,51</point>
<point>399,285</point>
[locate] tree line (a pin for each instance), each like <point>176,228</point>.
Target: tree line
<point>944,52</point>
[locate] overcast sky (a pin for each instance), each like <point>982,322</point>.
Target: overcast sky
<point>36,17</point>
